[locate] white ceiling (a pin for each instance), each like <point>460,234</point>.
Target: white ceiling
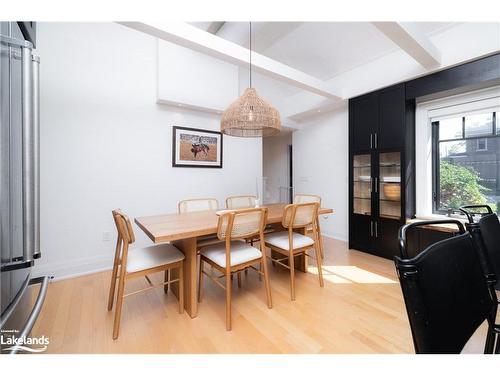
<point>320,49</point>
<point>305,68</point>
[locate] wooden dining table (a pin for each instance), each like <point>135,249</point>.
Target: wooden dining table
<point>186,229</point>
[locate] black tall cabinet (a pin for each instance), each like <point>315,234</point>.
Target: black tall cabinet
<point>381,158</point>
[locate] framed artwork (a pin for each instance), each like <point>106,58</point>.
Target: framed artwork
<point>196,148</point>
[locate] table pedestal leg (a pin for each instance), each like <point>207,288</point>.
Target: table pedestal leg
<point>189,248</point>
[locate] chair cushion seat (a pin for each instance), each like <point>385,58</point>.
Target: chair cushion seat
<point>152,256</point>
<point>241,252</point>
<point>207,240</point>
<point>280,239</point>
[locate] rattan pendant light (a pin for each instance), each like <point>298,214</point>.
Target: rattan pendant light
<point>250,115</point>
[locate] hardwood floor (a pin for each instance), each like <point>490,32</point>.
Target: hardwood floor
<point>360,310</point>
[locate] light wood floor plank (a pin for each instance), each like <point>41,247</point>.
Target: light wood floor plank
<point>360,310</point>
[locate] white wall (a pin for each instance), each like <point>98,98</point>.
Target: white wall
<point>105,143</point>
<point>320,166</point>
<point>276,166</point>
<point>195,79</point>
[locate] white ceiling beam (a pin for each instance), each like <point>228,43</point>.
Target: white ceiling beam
<point>412,41</point>
<point>214,27</point>
<point>201,41</point>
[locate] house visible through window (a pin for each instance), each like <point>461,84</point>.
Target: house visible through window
<point>466,161</point>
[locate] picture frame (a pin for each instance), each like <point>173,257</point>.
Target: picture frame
<point>196,148</point>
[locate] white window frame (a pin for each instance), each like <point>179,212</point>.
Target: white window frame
<point>435,110</point>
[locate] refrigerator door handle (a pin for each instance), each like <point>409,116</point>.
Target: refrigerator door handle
<point>37,308</point>
<point>28,141</point>
<point>36,154</point>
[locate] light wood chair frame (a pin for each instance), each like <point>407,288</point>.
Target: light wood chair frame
<point>228,271</point>
<point>180,203</point>
<point>228,199</point>
<point>125,238</point>
<point>249,240</point>
<point>309,230</point>
<point>289,255</point>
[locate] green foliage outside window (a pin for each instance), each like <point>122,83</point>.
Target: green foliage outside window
<point>460,186</point>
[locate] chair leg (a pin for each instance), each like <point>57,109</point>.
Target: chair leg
<point>228,302</point>
<point>200,282</point>
<point>318,264</point>
<point>166,278</point>
<point>263,265</point>
<point>260,268</point>
<point>181,288</point>
<point>119,303</point>
<point>291,264</point>
<point>112,287</point>
<point>320,242</point>
<point>321,247</point>
<point>490,342</point>
<point>239,280</point>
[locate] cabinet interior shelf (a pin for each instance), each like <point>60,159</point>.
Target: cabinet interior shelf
<point>390,200</point>
<point>390,165</point>
<point>390,216</point>
<point>362,166</point>
<point>367,181</point>
<point>360,198</point>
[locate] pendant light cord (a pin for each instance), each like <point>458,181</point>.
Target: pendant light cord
<point>250,54</point>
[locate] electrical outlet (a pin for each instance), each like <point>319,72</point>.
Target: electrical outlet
<point>106,236</point>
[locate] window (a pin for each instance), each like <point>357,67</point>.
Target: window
<point>466,161</point>
<point>482,144</point>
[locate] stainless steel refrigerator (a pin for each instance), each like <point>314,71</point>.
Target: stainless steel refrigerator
<point>22,295</point>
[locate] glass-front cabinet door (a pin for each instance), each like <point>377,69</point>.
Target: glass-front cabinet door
<point>390,185</point>
<point>362,184</point>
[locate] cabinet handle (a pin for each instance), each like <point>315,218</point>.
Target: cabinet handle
<point>376,229</point>
<point>371,141</point>
<point>376,185</point>
<point>375,142</point>
<point>371,228</point>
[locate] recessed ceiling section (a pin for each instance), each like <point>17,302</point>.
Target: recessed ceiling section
<point>305,68</point>
<point>320,49</point>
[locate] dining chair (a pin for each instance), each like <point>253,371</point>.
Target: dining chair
<point>308,198</point>
<point>234,255</point>
<point>241,201</point>
<point>291,244</point>
<point>197,204</point>
<point>132,263</point>
<point>446,293</point>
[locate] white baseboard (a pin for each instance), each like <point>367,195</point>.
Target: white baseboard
<point>335,236</point>
<point>74,268</point>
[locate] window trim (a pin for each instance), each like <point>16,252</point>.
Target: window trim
<point>435,143</point>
